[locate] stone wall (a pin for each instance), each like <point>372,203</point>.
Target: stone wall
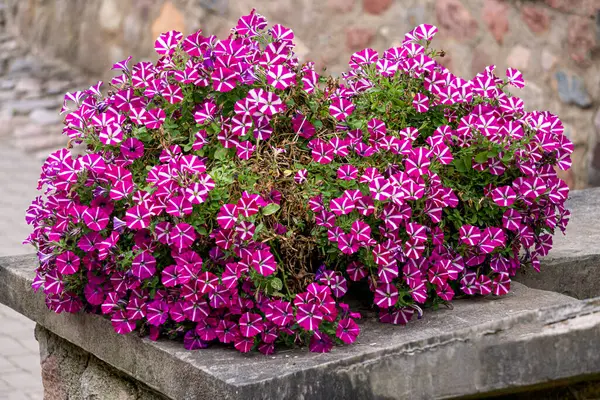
<point>69,372</point>
<point>556,43</point>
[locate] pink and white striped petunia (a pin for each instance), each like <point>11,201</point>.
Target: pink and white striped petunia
<point>341,205</point>
<point>511,220</point>
<point>515,77</point>
<point>470,234</point>
<point>341,108</point>
<point>501,284</point>
<point>137,217</point>
<point>182,235</point>
<point>504,196</point>
<point>381,189</point>
<point>263,262</point>
<point>95,218</point>
<point>301,176</point>
<point>205,112</point>
<point>251,324</point>
<point>309,316</point>
<point>173,94</point>
<point>418,162</point>
<point>167,42</point>
<point>111,135</point>
<point>144,265</point>
<point>67,263</point>
<point>347,172</point>
<point>280,77</point>
<point>386,295</point>
<point>224,79</point>
<point>421,102</point>
<point>322,152</point>
<point>154,118</point>
<point>227,216</point>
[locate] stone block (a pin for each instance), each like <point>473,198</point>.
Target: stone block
<point>358,38</point>
<point>519,58</point>
<point>536,18</point>
<point>455,19</point>
<point>572,89</point>
<point>573,265</point>
<point>495,15</point>
<point>376,7</point>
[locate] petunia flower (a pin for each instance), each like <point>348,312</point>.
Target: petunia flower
<point>347,331</point>
<point>264,262</point>
<point>420,102</point>
<point>320,343</point>
<point>144,265</point>
<point>308,316</point>
<point>386,295</point>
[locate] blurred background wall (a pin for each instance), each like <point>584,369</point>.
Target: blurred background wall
<point>555,43</point>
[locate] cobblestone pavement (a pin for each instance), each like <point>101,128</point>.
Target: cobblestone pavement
<point>31,92</point>
<point>19,357</point>
<point>32,89</point>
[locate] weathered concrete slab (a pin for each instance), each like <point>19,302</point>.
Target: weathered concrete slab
<point>478,347</point>
<point>573,265</point>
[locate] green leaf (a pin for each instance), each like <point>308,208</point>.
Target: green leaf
<point>459,164</point>
<point>270,209</point>
<point>492,153</point>
<point>481,157</point>
<point>276,284</point>
<point>468,162</point>
<point>221,153</point>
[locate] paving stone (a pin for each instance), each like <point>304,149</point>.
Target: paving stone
<point>4,385</point>
<point>11,347</point>
<point>24,381</point>
<point>18,174</point>
<point>29,362</point>
<point>6,366</point>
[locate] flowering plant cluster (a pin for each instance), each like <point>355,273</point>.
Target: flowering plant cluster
<point>228,193</point>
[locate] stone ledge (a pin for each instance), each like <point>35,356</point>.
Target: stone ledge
<point>573,265</point>
<point>529,337</point>
<point>500,344</point>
